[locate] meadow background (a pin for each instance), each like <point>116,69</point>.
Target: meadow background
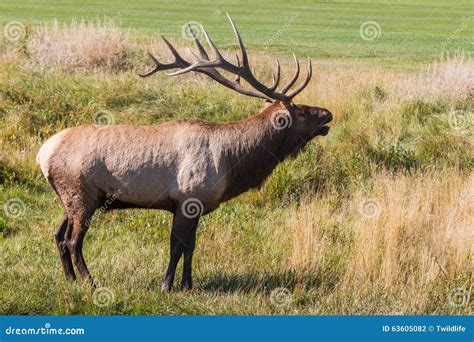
<point>375,218</point>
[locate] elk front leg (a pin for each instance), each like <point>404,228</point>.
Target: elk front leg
<point>180,234</point>
<point>187,281</point>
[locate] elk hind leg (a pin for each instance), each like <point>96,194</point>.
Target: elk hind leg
<point>75,242</point>
<point>63,249</point>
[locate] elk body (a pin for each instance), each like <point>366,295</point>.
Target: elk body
<point>187,167</point>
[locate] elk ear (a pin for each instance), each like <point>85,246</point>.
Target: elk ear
<point>267,104</point>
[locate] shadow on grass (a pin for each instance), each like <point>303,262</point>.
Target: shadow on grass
<point>257,281</point>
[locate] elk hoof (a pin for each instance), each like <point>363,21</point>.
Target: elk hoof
<point>166,287</point>
<point>186,287</point>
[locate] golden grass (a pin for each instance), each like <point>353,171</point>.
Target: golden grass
<point>404,233</point>
<point>77,46</point>
<point>448,80</point>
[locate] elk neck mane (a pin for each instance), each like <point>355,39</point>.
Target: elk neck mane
<point>253,147</point>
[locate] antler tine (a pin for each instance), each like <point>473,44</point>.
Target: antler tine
<point>276,79</point>
<point>201,49</point>
<point>220,61</point>
<point>211,44</point>
<point>246,73</point>
<point>294,78</point>
<point>179,62</point>
<point>209,71</point>
<point>305,82</point>
<point>243,71</point>
<point>205,62</point>
<point>155,69</point>
<point>196,57</point>
<point>178,59</point>
<point>209,67</point>
<point>245,61</point>
<point>215,75</point>
<point>237,78</point>
<point>197,65</point>
<point>158,66</point>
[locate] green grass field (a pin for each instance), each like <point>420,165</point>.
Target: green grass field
<point>375,218</point>
<point>410,31</point>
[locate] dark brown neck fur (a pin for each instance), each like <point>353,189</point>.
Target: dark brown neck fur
<point>253,148</point>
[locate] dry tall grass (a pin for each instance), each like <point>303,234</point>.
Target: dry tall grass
<point>449,80</point>
<point>78,46</point>
<point>425,221</point>
<point>402,234</point>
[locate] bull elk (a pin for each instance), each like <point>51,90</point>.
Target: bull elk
<point>187,167</point>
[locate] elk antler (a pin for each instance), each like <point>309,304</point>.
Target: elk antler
<point>205,65</point>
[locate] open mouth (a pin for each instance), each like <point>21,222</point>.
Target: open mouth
<point>324,129</point>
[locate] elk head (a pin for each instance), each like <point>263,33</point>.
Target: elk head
<point>306,122</point>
